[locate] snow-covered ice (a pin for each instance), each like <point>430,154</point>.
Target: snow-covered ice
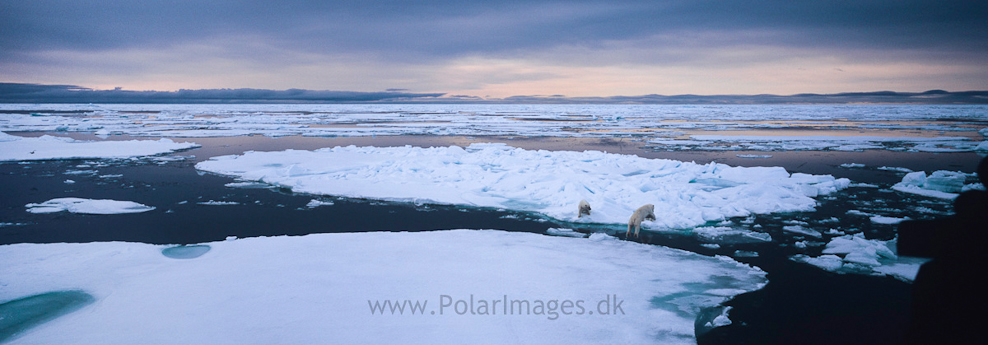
<point>322,288</point>
<point>685,195</point>
<point>15,148</point>
<point>88,206</point>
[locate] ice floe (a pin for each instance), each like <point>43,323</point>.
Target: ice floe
<point>685,195</point>
<point>217,203</point>
<point>856,254</point>
<point>723,234</point>
<point>87,206</point>
<point>896,169</point>
<point>323,288</point>
<point>940,184</point>
<point>802,230</point>
<point>316,203</point>
<point>15,148</point>
<point>564,232</point>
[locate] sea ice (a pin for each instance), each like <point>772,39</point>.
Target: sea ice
<point>887,220</point>
<point>564,232</point>
<point>316,203</point>
<point>897,169</point>
<point>218,203</point>
<point>685,194</point>
<point>322,288</point>
<point>940,184</point>
<point>88,206</point>
<point>723,234</point>
<point>654,123</point>
<point>15,148</point>
<point>823,142</point>
<point>802,230</point>
<point>854,253</point>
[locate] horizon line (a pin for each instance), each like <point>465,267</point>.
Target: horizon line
<point>62,93</point>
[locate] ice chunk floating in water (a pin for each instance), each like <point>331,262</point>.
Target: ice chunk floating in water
<point>940,184</point>
<point>854,253</point>
<point>685,195</point>
<point>322,288</point>
<point>88,206</point>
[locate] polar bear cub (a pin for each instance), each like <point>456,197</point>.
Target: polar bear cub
<point>584,208</point>
<point>642,213</point>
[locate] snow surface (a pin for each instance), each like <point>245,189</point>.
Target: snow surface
<point>685,195</point>
<point>318,289</point>
<point>15,148</point>
<point>88,206</point>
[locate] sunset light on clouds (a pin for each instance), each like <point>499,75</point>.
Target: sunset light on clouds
<point>500,48</point>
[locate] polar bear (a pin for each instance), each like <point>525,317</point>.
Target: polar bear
<point>642,213</point>
<point>584,209</point>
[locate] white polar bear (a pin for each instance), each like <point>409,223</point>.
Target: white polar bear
<point>642,213</point>
<point>584,209</point>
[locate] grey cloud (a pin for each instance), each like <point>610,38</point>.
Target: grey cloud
<point>425,29</point>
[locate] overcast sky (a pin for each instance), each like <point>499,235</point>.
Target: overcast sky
<point>500,48</point>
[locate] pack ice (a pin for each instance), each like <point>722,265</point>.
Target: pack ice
<point>685,195</point>
<point>321,289</point>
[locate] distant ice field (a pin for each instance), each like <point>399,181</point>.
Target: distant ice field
<point>931,128</point>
